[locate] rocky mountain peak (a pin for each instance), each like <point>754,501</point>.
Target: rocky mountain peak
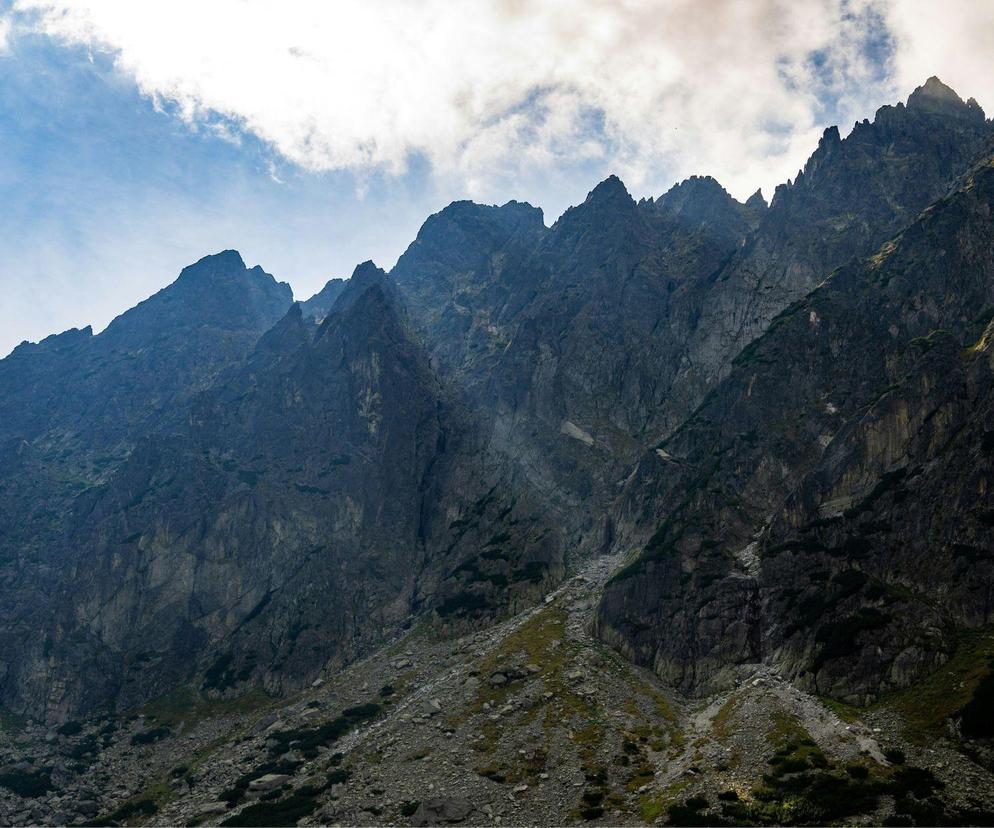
<point>286,335</point>
<point>935,116</point>
<point>700,199</point>
<point>367,273</point>
<point>217,291</point>
<point>697,187</point>
<point>466,213</point>
<point>756,202</point>
<point>608,208</point>
<point>935,97</point>
<point>371,307</point>
<point>523,214</point>
<point>366,278</point>
<point>931,105</point>
<point>320,303</point>
<point>830,138</point>
<point>227,271</point>
<point>611,191</point>
<point>466,222</point>
<point>225,264</point>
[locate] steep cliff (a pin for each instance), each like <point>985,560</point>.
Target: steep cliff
<point>316,500</point>
<point>826,508</point>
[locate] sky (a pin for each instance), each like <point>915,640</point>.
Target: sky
<point>136,137</point>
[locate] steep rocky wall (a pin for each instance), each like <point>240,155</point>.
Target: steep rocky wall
<point>824,508</point>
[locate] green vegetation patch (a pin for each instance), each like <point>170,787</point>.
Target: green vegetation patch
<point>29,784</point>
<point>977,715</point>
<point>803,787</point>
<point>133,809</point>
<point>184,705</point>
<point>139,807</point>
<point>927,705</point>
<point>926,343</point>
<point>274,810</point>
<point>87,746</point>
<point>236,793</point>
<point>155,734</point>
<point>70,729</point>
<point>324,735</point>
<point>691,813</point>
<point>281,812</point>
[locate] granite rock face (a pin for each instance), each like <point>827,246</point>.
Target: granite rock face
<point>851,196</point>
<point>781,409</point>
<point>316,499</point>
<point>73,407</point>
<point>74,404</point>
<point>587,343</point>
<point>826,509</point>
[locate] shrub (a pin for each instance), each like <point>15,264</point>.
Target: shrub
<point>785,764</point>
<point>70,729</point>
<point>917,781</point>
<point>147,737</point>
<point>89,744</point>
<point>284,812</point>
<point>977,716</point>
<point>311,738</point>
<point>361,711</point>
<point>28,784</point>
<point>135,808</point>
<point>235,793</point>
<point>895,756</point>
<point>690,813</point>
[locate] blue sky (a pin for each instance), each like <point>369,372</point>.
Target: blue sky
<point>106,199</point>
<point>137,137</point>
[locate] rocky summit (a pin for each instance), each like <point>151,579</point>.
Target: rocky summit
<point>678,511</point>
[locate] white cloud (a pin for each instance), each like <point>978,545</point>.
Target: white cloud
<point>951,39</point>
<point>4,35</point>
<point>490,91</point>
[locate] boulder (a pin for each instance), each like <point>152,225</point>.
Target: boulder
<point>212,809</point>
<point>87,808</point>
<point>442,810</point>
<point>268,782</point>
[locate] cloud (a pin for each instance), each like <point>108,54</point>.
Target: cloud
<point>951,39</point>
<point>491,90</point>
<point>4,35</point>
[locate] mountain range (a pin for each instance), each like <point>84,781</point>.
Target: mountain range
<point>705,476</point>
